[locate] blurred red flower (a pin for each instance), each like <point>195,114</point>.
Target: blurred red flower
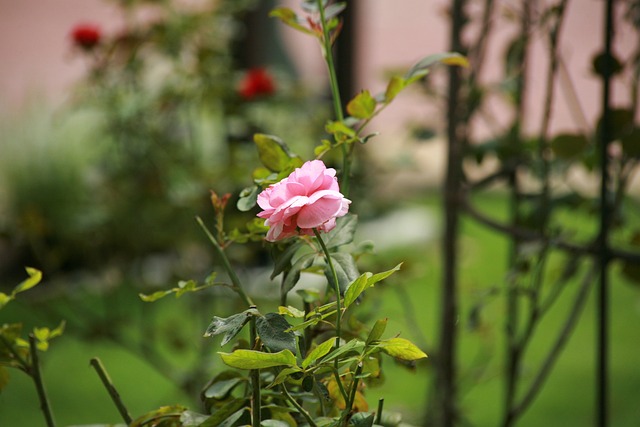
<point>257,82</point>
<point>87,36</point>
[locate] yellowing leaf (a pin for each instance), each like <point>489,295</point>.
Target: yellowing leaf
<point>362,106</point>
<point>395,86</point>
<point>401,348</point>
<point>457,60</point>
<point>34,278</point>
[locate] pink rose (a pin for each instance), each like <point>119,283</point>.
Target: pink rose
<point>308,198</point>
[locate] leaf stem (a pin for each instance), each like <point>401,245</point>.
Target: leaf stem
<point>256,415</point>
<point>336,285</point>
<point>335,94</point>
<point>37,379</point>
<point>237,285</point>
<point>108,384</point>
<point>24,364</point>
<point>352,394</point>
<point>336,288</point>
<point>298,407</point>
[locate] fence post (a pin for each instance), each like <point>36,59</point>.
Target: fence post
<point>446,376</point>
<point>603,241</point>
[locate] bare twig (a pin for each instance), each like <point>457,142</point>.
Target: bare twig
<point>35,373</point>
<point>108,384</point>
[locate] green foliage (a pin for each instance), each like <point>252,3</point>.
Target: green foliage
<point>35,276</point>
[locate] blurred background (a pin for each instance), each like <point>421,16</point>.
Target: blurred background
<point>118,116</point>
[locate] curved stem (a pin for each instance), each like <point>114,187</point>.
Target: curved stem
<point>335,94</point>
<point>237,285</point>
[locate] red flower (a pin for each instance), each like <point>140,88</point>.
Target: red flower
<point>257,82</point>
<point>87,36</point>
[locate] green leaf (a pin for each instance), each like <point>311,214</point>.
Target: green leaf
<point>221,389</point>
<point>343,232</point>
<point>291,312</point>
<point>272,329</point>
<point>251,359</point>
<point>273,423</point>
<point>293,275</point>
<point>394,87</point>
<point>192,419</point>
<point>284,375</point>
<point>339,129</point>
<point>35,276</point>
<point>421,68</point>
<point>401,348</point>
<point>631,143</point>
<point>157,415</point>
<point>272,151</point>
<point>603,64</point>
<point>621,123</point>
<point>381,276</point>
<point>362,419</point>
<point>154,296</point>
<point>362,106</point>
<point>229,326</point>
<point>283,258</point>
<point>4,299</point>
<point>288,17</point>
<point>355,288</point>
<point>377,330</point>
<point>364,282</point>
<point>567,146</point>
<point>227,415</point>
<point>354,345</point>
<point>248,198</point>
<point>318,352</point>
<point>346,270</point>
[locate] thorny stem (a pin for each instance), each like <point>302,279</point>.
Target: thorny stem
<point>37,379</point>
<point>108,384</point>
<point>335,94</point>
<point>237,285</point>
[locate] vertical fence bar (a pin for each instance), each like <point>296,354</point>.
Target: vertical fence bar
<point>602,308</point>
<point>446,377</point>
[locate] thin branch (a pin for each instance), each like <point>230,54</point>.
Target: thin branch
<point>37,379</point>
<point>559,344</point>
<point>531,235</point>
<point>298,407</point>
<point>108,384</point>
<point>237,285</point>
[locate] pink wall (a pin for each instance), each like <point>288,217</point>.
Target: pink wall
<point>36,56</point>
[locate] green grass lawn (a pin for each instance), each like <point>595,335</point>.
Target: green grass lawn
<point>410,299</point>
